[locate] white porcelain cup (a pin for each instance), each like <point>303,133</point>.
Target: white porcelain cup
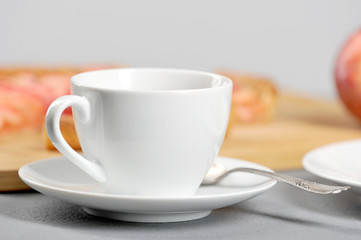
<point>145,132</point>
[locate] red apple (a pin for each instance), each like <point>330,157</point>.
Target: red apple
<point>348,74</point>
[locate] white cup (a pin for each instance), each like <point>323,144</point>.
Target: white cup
<point>145,132</point>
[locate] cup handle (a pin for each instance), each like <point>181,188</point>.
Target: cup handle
<point>52,124</point>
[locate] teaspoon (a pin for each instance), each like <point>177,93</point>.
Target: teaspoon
<point>218,173</point>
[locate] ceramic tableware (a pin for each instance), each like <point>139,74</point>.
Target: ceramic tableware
<point>339,162</point>
<point>48,177</point>
<point>145,132</point>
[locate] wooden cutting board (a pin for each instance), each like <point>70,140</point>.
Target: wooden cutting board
<point>301,124</point>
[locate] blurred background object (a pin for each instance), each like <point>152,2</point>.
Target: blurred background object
<point>293,42</point>
<point>254,98</point>
<point>26,93</point>
<point>348,74</point>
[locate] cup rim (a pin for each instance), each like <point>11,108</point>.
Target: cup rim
<point>226,84</point>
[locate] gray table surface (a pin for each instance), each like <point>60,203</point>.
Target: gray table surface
<point>281,213</point>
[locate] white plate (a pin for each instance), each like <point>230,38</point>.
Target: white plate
<point>338,162</point>
<point>59,178</point>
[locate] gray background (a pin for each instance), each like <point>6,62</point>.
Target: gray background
<point>293,42</point>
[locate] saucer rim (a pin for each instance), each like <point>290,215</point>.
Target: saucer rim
<point>267,184</point>
<point>308,163</point>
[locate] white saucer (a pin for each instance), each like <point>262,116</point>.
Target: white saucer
<point>59,178</point>
<point>338,162</point>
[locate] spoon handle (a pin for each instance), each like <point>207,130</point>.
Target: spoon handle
<point>297,182</point>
